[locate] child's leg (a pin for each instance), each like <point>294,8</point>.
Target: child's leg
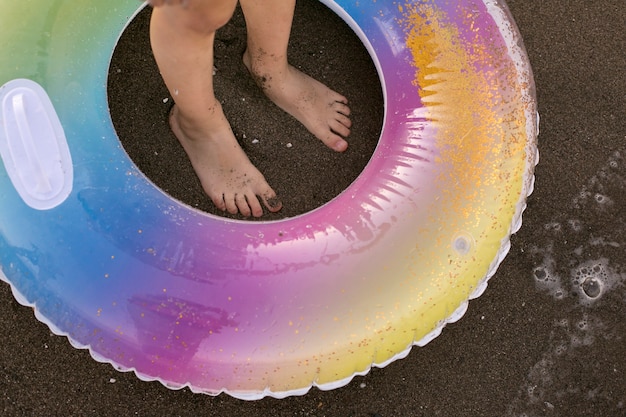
<point>322,111</point>
<point>182,41</point>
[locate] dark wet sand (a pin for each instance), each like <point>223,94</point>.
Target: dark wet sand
<point>533,344</point>
<point>303,172</point>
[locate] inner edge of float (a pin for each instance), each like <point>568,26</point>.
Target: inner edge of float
<point>335,8</point>
<point>516,51</point>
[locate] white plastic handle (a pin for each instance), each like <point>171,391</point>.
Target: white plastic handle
<point>35,165</point>
<point>33,145</point>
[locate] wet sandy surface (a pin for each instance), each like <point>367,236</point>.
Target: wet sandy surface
<point>545,339</point>
<point>303,172</point>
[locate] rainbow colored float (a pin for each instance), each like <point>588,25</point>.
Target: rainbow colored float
<point>265,308</point>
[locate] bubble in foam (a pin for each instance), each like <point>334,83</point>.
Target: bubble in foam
<point>541,274</point>
<point>562,323</point>
<point>560,349</point>
<point>552,226</point>
<point>592,287</point>
<point>575,225</point>
<point>544,272</point>
<point>580,340</point>
<point>547,280</point>
<point>601,198</point>
<point>592,279</point>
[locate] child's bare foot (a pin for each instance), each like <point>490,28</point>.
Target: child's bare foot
<point>226,173</point>
<point>321,110</point>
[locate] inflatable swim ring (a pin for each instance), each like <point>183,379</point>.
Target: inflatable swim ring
<point>254,309</point>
